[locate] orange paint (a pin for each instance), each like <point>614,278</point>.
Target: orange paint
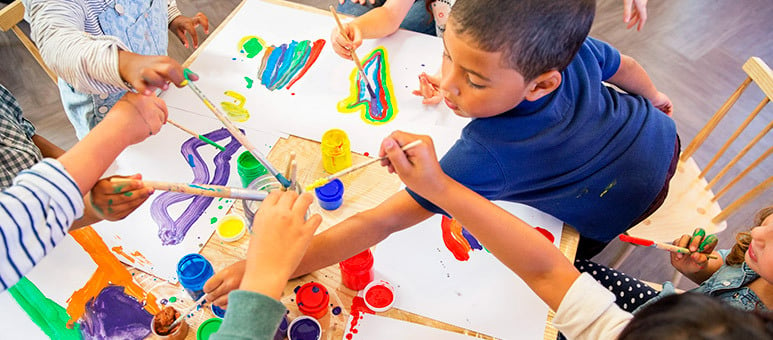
<point>109,271</point>
<point>454,240</point>
<point>119,250</point>
<point>141,258</point>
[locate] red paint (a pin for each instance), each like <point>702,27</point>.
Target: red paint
<point>357,309</point>
<point>366,154</point>
<point>312,299</point>
<point>379,296</point>
<point>636,240</point>
<point>454,240</point>
<point>316,48</point>
<point>546,233</point>
<point>357,271</point>
<point>292,94</point>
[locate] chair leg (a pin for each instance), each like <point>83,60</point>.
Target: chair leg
<point>622,255</point>
<point>676,277</point>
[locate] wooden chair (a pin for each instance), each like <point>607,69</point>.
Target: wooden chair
<point>691,202</point>
<point>10,16</point>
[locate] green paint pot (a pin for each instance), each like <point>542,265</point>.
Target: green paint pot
<point>207,328</point>
<point>249,168</point>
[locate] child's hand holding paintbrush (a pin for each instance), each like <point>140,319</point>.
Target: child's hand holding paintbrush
<point>703,257</point>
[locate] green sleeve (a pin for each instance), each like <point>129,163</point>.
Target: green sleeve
<point>250,315</point>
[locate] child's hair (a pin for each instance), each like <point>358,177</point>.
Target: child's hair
<point>694,316</point>
<point>534,36</point>
<point>742,239</point>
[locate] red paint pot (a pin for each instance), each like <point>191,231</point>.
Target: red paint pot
<point>312,299</point>
<point>379,296</point>
<point>357,271</point>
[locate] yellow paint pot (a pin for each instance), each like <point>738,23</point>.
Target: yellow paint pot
<point>231,228</point>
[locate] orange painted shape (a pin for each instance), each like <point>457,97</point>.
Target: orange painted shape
<point>119,250</point>
<point>109,271</point>
<point>454,240</point>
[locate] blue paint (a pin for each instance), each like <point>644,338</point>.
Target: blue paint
<point>190,161</point>
<point>304,328</point>
<point>331,195</point>
<point>219,312</point>
<point>193,271</point>
<point>474,244</point>
<point>336,310</point>
<point>315,289</point>
<point>265,78</point>
<point>296,289</point>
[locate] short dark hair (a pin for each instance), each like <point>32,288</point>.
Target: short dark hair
<point>693,316</point>
<point>534,36</point>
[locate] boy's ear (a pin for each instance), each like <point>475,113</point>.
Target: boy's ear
<point>543,85</point>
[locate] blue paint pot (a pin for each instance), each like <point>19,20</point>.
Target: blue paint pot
<point>219,312</point>
<point>331,195</point>
<point>193,271</point>
<point>281,331</point>
<point>304,328</point>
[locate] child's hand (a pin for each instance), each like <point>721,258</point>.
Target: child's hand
<point>340,45</point>
<point>663,103</point>
<point>182,25</point>
<point>417,167</point>
<point>701,245</point>
<point>428,88</point>
<point>147,73</point>
<point>114,201</point>
<point>280,236</point>
<point>142,116</point>
<point>635,13</point>
<point>223,282</point>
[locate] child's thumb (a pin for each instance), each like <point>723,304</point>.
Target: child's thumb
<point>396,156</point>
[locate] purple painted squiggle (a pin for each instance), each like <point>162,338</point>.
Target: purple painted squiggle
<point>172,231</point>
<point>115,315</point>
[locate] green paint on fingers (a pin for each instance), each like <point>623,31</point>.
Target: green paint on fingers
<point>707,241</point>
<point>128,194</point>
<point>699,232</point>
<point>47,314</point>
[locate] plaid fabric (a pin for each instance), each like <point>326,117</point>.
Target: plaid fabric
<point>17,151</point>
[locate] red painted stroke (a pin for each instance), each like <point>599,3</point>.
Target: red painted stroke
<point>548,235</point>
<point>454,240</point>
<point>316,49</point>
<point>636,240</point>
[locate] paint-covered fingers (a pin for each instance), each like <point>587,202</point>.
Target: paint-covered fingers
<point>223,282</point>
<point>114,200</point>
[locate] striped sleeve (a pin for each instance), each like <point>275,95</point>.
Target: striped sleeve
<point>88,62</point>
<point>35,214</point>
<point>172,11</point>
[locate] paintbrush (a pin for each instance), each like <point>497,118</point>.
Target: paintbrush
<point>354,54</point>
<point>324,180</point>
<point>188,311</point>
<point>659,245</point>
<point>202,138</point>
<point>201,189</point>
<point>235,132</point>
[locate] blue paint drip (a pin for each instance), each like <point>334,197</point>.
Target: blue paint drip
<point>190,161</point>
<point>474,244</point>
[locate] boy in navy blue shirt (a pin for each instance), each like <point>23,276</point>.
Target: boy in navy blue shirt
<point>545,132</point>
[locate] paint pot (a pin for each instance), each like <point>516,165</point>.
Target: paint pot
<point>219,312</point>
<point>330,195</point>
<point>249,168</point>
<point>207,328</point>
<point>312,299</point>
<point>281,331</point>
<point>179,333</point>
<point>231,228</point>
<point>304,328</point>
<point>193,271</point>
<point>357,271</point>
<point>379,296</point>
<point>266,183</point>
<point>336,152</point>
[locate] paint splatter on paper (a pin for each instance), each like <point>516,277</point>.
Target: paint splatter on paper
<point>250,46</point>
<point>460,242</point>
<point>376,110</point>
<point>236,110</point>
<point>285,64</point>
<point>172,231</point>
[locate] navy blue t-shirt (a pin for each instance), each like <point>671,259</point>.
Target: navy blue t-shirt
<point>586,154</point>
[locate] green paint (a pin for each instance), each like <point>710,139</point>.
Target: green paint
<point>201,187</point>
<point>699,232</point>
<point>47,314</point>
<point>211,142</point>
<point>252,47</point>
<point>109,202</point>
<point>213,220</point>
<point>173,299</point>
<point>119,188</point>
<point>207,328</point>
<point>128,194</point>
<point>220,207</point>
<point>249,82</point>
<point>707,241</point>
<point>187,72</point>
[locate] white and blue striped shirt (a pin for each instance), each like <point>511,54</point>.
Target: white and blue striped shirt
<point>35,214</point>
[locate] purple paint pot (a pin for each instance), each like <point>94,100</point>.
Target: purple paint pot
<point>331,195</point>
<point>281,331</point>
<point>193,271</point>
<point>304,328</point>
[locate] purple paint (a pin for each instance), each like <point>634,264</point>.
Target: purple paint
<point>172,231</point>
<point>474,244</point>
<point>115,315</point>
<point>304,328</point>
<point>337,310</point>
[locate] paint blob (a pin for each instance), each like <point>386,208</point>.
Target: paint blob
<point>379,296</point>
<point>231,228</point>
<point>44,312</point>
<point>250,46</point>
<point>115,315</point>
<point>236,110</point>
<point>376,110</point>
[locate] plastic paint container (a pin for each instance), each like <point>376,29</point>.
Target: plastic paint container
<point>207,328</point>
<point>249,168</point>
<point>304,328</point>
<point>312,299</point>
<point>336,151</point>
<point>379,296</point>
<point>219,312</point>
<point>231,228</point>
<point>193,271</point>
<point>179,334</point>
<point>357,271</point>
<point>331,195</point>
<point>281,331</point>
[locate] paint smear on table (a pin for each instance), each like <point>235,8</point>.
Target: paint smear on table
<point>47,314</point>
<point>283,65</point>
<point>377,110</point>
<point>172,231</point>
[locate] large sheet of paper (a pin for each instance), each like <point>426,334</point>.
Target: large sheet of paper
<point>480,294</point>
<point>309,107</point>
<point>170,225</point>
<point>374,327</point>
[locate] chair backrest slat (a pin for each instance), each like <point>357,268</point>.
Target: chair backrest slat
<point>746,171</point>
<point>740,155</point>
<point>740,202</point>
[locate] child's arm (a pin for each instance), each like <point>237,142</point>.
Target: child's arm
<point>376,23</point>
<point>635,13</point>
<point>697,266</point>
<point>516,244</point>
<point>632,78</point>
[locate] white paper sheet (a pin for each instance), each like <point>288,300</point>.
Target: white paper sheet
<point>159,159</point>
<point>480,294</point>
<point>374,327</point>
<point>309,109</point>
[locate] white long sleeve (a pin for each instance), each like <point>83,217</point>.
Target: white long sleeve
<point>588,311</point>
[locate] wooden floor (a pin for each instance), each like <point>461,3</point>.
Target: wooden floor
<point>692,49</point>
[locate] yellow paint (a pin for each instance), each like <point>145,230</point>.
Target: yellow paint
<point>236,110</point>
<point>230,228</point>
<point>318,183</point>
<point>336,152</point>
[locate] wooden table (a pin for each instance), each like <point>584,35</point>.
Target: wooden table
<point>365,189</point>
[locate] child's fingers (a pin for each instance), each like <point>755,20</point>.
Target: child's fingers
<point>433,100</point>
<point>302,203</point>
<point>204,21</point>
<point>313,223</point>
<point>180,33</point>
<point>286,199</point>
<point>627,5</point>
<point>271,199</point>
<point>194,35</point>
<point>397,157</point>
<point>708,244</point>
<point>152,78</point>
<point>697,238</point>
<point>681,242</point>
